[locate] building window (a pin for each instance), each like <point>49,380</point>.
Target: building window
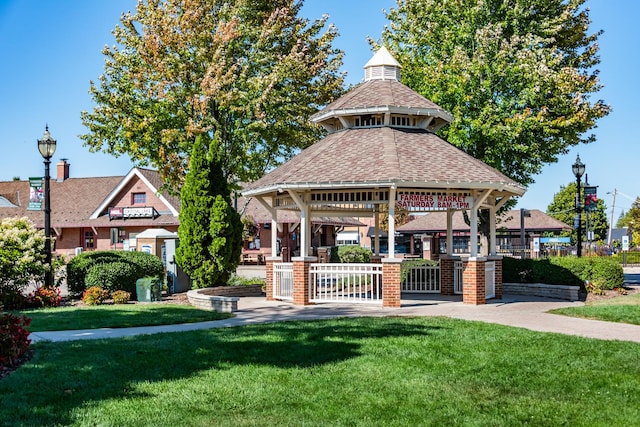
<point>89,239</point>
<point>139,198</point>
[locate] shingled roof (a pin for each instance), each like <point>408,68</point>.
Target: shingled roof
<point>74,200</point>
<point>381,134</point>
<point>437,222</point>
<point>385,155</point>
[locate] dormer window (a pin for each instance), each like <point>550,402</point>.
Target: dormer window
<point>368,121</point>
<point>403,121</point>
<point>138,198</point>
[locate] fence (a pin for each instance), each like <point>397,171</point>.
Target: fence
<point>420,278</point>
<point>458,269</point>
<point>283,280</point>
<point>356,283</point>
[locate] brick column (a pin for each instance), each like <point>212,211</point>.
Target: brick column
<point>498,273</point>
<point>269,285</point>
<point>473,281</point>
<point>446,275</point>
<point>391,285</point>
<point>301,279</point>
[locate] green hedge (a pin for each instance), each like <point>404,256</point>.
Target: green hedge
<point>354,254</point>
<point>138,264</point>
<point>601,272</point>
<point>113,276</point>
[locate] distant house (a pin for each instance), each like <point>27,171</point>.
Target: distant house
<point>426,234</point>
<point>101,213</point>
<point>97,213</point>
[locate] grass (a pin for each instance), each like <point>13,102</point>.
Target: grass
<point>340,372</point>
<point>623,309</point>
<point>116,316</point>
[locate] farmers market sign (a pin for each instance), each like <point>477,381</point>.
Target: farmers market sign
<point>433,202</point>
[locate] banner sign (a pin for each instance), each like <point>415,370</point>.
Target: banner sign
<point>132,212</point>
<point>36,194</point>
<point>434,202</point>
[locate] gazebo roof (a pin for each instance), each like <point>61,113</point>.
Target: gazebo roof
<point>381,135</point>
<point>383,156</point>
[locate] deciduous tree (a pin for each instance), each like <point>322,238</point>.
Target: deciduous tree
<point>517,75</point>
<point>563,208</point>
<point>250,72</point>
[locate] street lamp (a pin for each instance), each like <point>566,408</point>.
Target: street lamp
<point>47,146</point>
<point>578,170</point>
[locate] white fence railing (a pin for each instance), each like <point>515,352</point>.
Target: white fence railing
<point>458,268</point>
<point>283,280</point>
<point>420,278</point>
<point>356,283</point>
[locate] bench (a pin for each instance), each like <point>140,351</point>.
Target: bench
<point>252,258</point>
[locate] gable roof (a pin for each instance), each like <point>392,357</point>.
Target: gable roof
<point>150,178</point>
<point>74,201</point>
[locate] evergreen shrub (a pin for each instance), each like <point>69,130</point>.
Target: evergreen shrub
<point>113,276</point>
<point>143,264</point>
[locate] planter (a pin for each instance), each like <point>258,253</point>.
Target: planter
<point>565,292</point>
<point>202,299</point>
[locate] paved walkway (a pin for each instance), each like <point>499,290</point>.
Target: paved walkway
<point>517,311</point>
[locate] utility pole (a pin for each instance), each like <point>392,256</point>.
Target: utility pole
<point>613,206</point>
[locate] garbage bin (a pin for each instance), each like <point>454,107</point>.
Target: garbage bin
<point>149,289</point>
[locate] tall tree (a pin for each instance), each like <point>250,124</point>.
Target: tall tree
<point>517,75</point>
<point>563,208</point>
<point>210,229</point>
<point>631,219</point>
<point>250,72</point>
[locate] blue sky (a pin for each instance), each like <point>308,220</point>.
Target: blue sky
<point>52,49</point>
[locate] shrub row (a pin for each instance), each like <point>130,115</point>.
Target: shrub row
<point>111,270</point>
<point>600,272</point>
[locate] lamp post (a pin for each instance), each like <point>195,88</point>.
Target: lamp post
<point>47,146</point>
<point>578,170</point>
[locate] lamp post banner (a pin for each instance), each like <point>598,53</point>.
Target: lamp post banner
<point>36,194</point>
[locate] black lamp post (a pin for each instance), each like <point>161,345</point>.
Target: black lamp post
<point>47,146</point>
<point>578,170</point>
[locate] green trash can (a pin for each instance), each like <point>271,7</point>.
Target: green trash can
<point>149,289</point>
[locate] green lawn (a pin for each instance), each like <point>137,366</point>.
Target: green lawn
<point>116,316</point>
<point>342,372</point>
<point>623,309</point>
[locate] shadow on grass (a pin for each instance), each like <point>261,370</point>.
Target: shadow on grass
<point>104,316</point>
<point>65,376</point>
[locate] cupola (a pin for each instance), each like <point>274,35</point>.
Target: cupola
<point>383,66</point>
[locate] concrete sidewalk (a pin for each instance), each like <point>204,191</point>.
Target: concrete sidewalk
<point>517,311</point>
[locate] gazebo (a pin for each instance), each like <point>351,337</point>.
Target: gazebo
<point>381,151</point>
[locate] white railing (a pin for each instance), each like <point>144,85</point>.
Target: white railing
<point>283,280</point>
<point>458,269</point>
<point>420,278</point>
<point>361,283</point>
<point>490,279</point>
